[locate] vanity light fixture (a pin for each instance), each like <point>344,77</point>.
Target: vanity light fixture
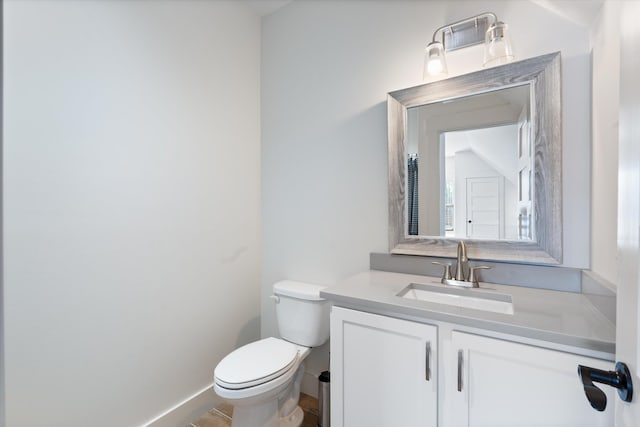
<point>484,28</point>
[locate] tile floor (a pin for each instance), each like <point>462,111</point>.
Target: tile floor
<point>220,416</point>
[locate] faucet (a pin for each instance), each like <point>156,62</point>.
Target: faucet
<point>461,278</point>
<point>462,263</point>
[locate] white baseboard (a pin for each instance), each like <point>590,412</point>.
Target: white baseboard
<point>188,410</point>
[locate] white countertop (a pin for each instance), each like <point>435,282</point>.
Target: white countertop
<point>564,318</point>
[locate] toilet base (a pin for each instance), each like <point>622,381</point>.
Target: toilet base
<point>265,415</point>
<point>261,415</point>
<point>294,419</point>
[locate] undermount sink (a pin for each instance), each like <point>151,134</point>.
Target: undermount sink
<point>461,297</point>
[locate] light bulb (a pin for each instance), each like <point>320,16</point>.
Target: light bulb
<point>434,60</point>
<point>434,66</point>
<point>497,47</point>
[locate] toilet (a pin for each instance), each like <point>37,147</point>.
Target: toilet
<point>262,379</point>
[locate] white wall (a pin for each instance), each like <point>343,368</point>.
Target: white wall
<point>326,69</point>
<point>131,204</point>
<point>605,42</point>
<point>2,388</point>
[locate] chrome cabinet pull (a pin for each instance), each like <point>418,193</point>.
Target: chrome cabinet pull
<point>459,370</point>
<point>427,370</point>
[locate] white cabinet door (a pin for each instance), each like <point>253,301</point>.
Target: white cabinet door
<point>383,371</point>
<point>506,384</point>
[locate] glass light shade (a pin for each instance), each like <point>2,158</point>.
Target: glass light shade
<point>434,60</point>
<point>497,45</point>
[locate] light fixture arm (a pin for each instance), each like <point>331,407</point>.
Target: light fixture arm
<point>464,21</point>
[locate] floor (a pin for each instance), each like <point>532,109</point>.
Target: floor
<point>220,416</point>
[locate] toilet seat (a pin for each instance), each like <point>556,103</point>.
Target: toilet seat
<point>256,363</point>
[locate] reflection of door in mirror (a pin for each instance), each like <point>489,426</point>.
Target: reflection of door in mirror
<point>474,156</point>
<point>485,207</point>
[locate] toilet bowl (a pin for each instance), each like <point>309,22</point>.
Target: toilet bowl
<point>262,379</point>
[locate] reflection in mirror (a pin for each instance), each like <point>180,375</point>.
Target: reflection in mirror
<point>478,158</point>
<point>469,166</point>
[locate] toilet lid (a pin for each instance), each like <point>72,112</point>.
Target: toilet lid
<point>256,363</point>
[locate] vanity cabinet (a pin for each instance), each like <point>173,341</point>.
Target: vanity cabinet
<point>386,373</point>
<point>383,371</point>
<point>503,384</point>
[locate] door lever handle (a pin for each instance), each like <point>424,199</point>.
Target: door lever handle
<point>620,379</point>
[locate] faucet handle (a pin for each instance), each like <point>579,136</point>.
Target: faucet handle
<point>473,276</point>
<point>446,272</point>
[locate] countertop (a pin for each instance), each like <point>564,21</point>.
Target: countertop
<point>564,318</point>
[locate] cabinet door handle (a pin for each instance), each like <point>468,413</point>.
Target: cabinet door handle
<point>459,370</point>
<point>427,360</point>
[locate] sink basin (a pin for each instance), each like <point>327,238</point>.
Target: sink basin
<point>477,299</point>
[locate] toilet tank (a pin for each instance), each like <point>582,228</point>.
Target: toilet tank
<point>303,317</point>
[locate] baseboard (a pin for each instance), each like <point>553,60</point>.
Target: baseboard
<point>188,410</point>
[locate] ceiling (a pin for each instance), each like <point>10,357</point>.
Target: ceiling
<point>266,7</point>
<point>582,12</point>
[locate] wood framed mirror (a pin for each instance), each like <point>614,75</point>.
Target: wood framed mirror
<point>478,158</point>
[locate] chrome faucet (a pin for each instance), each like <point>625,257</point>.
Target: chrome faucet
<point>462,264</point>
<point>465,276</point>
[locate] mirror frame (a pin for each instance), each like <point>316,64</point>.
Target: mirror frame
<point>544,75</point>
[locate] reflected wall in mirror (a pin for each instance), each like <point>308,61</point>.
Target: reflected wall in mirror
<point>478,157</point>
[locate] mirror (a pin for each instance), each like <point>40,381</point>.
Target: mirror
<point>478,157</point>
<point>469,165</point>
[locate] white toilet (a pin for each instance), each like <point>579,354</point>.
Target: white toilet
<point>262,379</point>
